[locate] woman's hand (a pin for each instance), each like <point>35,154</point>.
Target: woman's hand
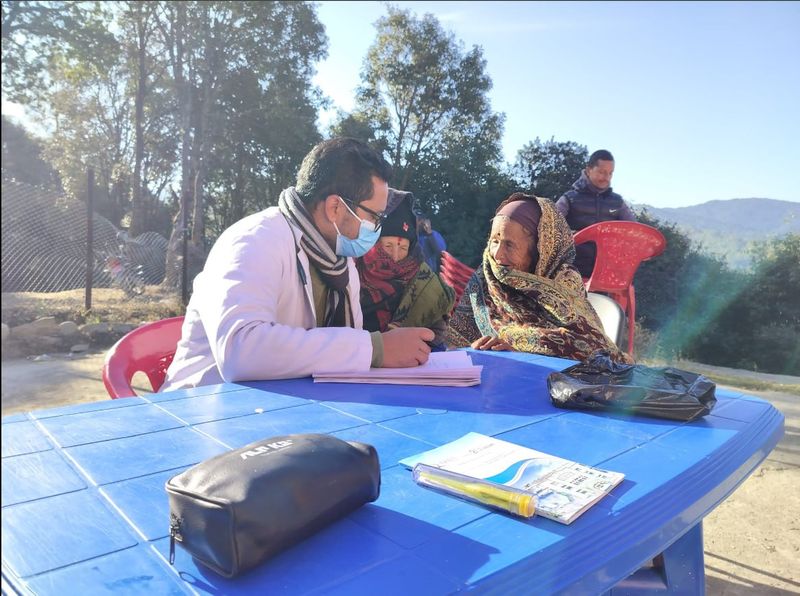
<point>627,358</point>
<point>488,342</point>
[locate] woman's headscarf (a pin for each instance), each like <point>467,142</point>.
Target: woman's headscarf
<point>382,283</point>
<point>527,213</point>
<point>545,311</point>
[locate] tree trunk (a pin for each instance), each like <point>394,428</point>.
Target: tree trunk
<point>203,132</point>
<point>174,257</point>
<point>138,208</point>
<point>198,218</point>
<point>237,193</point>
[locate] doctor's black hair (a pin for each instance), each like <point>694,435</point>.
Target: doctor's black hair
<point>341,166</point>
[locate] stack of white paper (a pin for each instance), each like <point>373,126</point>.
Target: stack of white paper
<point>450,369</point>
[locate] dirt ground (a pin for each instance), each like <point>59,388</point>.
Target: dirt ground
<point>752,540</point>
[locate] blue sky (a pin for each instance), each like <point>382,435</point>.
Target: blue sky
<point>696,100</point>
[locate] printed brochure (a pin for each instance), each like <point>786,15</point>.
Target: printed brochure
<point>563,489</point>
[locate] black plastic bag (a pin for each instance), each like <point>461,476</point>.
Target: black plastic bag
<point>599,383</point>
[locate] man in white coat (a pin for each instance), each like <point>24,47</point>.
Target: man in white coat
<point>278,297</point>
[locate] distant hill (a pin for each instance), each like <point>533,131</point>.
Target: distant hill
<point>728,228</point>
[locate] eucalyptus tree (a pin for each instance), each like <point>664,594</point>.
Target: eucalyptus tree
<point>269,108</point>
<point>79,68</point>
<point>213,96</point>
<point>23,158</point>
<point>53,53</point>
<point>35,33</point>
<point>423,101</point>
<point>461,188</point>
<point>245,106</point>
<point>138,18</point>
<point>421,93</point>
<point>548,168</point>
<point>86,110</point>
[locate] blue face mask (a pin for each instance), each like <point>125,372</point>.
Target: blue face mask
<point>359,246</point>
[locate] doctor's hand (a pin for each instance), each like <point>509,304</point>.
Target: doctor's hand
<point>488,342</point>
<point>405,346</point>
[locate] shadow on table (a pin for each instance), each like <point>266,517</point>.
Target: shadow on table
<point>344,558</point>
<point>508,386</point>
<point>520,387</point>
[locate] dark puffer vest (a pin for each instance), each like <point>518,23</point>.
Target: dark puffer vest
<point>588,206</point>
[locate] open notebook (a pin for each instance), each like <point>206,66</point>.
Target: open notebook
<point>450,369</point>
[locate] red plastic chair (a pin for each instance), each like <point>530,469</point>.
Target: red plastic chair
<point>621,247</point>
<point>455,273</point>
<point>148,349</point>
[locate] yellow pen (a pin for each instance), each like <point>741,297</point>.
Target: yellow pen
<point>497,496</point>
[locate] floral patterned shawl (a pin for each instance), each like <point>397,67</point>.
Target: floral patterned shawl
<point>544,312</point>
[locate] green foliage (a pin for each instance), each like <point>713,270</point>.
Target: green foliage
<point>706,312</point>
<point>681,294</point>
<point>548,169</point>
<point>731,248</point>
<point>769,309</point>
<point>659,282</point>
<point>38,34</point>
<point>706,291</point>
<point>423,102</point>
<point>267,106</point>
<point>23,160</point>
<point>358,126</point>
<point>89,102</point>
<point>460,191</point>
<point>421,93</point>
<point>214,95</point>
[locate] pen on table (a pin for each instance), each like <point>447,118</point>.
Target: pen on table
<point>498,496</point>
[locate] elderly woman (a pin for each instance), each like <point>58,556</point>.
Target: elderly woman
<point>398,289</point>
<point>526,295</point>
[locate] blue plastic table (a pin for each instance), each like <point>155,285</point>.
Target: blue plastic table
<point>84,509</point>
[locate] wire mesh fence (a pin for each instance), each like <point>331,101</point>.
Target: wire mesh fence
<point>44,247</point>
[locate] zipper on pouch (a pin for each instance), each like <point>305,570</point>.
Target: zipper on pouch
<point>174,534</point>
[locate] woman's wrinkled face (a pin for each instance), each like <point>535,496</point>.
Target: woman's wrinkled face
<point>510,244</point>
<point>395,247</point>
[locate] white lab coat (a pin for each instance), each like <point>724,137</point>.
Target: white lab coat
<point>251,315</point>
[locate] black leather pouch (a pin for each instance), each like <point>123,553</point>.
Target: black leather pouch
<point>235,510</point>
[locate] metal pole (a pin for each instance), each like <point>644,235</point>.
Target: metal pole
<point>89,237</point>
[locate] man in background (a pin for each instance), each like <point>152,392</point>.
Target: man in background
<point>431,242</point>
<point>592,200</point>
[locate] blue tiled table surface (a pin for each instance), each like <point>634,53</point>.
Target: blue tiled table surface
<point>84,510</point>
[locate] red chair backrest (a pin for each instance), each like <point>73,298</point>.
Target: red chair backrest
<point>621,247</point>
<point>148,349</point>
<point>455,273</point>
